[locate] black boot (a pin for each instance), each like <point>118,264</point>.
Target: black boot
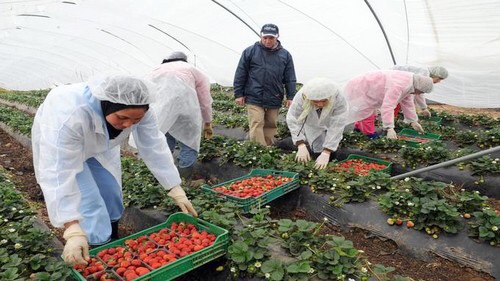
<point>114,230</point>
<point>186,173</point>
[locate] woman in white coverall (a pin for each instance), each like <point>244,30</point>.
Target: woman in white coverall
<point>317,117</point>
<point>383,90</point>
<point>184,108</point>
<point>76,155</point>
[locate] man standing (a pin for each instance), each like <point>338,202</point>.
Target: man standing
<point>264,68</point>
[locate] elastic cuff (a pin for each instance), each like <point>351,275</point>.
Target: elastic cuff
<point>300,142</point>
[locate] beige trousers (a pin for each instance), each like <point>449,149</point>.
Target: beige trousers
<point>262,123</point>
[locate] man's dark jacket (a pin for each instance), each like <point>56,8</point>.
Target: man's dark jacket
<point>261,75</point>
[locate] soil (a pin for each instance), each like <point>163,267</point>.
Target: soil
<point>492,112</point>
<point>18,160</point>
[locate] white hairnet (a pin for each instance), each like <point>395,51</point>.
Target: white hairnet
<point>123,89</point>
<point>438,71</point>
<point>177,55</point>
<point>319,89</point>
<point>422,83</point>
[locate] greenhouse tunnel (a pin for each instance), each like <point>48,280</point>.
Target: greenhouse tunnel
<point>47,43</point>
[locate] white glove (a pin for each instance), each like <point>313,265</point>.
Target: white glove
<point>391,134</point>
<point>76,250</point>
<point>302,154</point>
<point>179,196</point>
<point>322,160</point>
<point>417,127</point>
<point>426,113</point>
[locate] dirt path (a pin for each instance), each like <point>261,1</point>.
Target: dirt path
<point>492,112</point>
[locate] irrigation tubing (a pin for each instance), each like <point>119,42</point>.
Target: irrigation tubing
<point>448,163</point>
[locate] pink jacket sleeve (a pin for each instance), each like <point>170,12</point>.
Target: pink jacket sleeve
<point>408,108</point>
<point>202,84</point>
<point>420,101</point>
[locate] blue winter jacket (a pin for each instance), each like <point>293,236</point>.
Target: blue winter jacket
<point>261,75</point>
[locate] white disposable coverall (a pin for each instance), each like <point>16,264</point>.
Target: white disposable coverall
<point>68,134</point>
<point>326,133</point>
<point>184,101</point>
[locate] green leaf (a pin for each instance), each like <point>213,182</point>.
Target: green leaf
<point>299,267</point>
<point>274,268</point>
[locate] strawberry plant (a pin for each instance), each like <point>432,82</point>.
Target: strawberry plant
<point>228,105</point>
<point>25,250</point>
<point>434,152</point>
<point>251,154</point>
<point>447,132</point>
<point>423,203</point>
<point>467,120</point>
<point>467,137</point>
<point>230,120</point>
<point>485,165</point>
<point>489,139</point>
<point>468,202</point>
<point>29,98</point>
<point>307,173</point>
<point>16,119</point>
<point>353,138</point>
<point>140,187</point>
<point>385,145</point>
<point>447,117</point>
<point>211,148</point>
<point>485,226</point>
<point>283,131</point>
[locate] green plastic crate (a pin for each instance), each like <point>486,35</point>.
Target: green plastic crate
<point>181,265</point>
<point>370,160</point>
<point>248,203</point>
<point>412,133</point>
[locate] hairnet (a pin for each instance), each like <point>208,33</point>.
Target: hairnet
<point>319,89</point>
<point>438,71</point>
<point>177,55</point>
<point>123,89</point>
<point>422,83</point>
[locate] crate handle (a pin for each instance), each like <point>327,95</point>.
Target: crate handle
<point>204,224</point>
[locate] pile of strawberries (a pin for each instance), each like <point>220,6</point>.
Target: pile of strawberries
<point>146,253</point>
<point>252,186</point>
<point>358,166</point>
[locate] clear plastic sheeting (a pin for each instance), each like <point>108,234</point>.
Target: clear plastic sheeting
<point>47,43</point>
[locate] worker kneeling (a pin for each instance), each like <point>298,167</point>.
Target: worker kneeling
<point>316,120</point>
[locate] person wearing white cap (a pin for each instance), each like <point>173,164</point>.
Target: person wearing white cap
<point>317,117</point>
<point>383,90</point>
<point>436,73</point>
<point>184,109</point>
<point>76,137</point>
<point>265,69</point>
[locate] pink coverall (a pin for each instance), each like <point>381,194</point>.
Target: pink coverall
<point>379,90</point>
